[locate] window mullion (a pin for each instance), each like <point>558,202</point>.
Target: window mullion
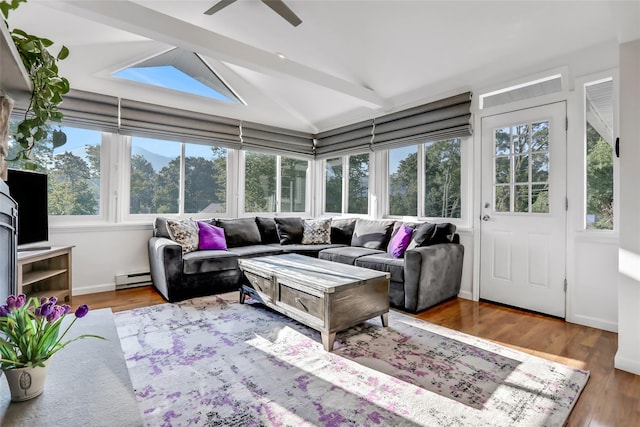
<point>420,182</point>
<point>181,191</point>
<point>278,184</point>
<point>345,184</point>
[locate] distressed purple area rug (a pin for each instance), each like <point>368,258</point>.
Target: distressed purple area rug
<point>213,362</point>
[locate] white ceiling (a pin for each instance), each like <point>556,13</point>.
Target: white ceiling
<point>347,61</point>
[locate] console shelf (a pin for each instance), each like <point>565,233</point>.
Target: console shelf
<point>45,272</point>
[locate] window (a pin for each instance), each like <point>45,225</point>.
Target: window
<point>357,184</point>
<point>73,170</point>
<point>438,163</point>
<point>156,181</point>
<point>599,155</point>
<point>274,183</point>
<point>403,181</point>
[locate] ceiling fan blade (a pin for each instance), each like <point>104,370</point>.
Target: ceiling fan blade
<point>218,6</point>
<point>283,10</point>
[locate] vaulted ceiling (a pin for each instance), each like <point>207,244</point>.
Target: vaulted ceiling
<point>347,61</point>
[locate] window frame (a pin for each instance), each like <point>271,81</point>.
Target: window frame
<point>241,182</point>
<point>466,155</point>
<point>345,185</point>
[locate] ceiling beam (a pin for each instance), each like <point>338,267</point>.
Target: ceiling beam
<point>149,23</point>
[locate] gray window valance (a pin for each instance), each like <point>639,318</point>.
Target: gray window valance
<point>442,119</point>
<point>275,140</point>
<point>90,110</point>
<point>156,121</point>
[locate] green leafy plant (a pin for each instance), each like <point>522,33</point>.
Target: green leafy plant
<point>46,95</point>
<point>30,330</point>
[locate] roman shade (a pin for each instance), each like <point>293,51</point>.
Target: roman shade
<point>353,138</point>
<point>156,121</point>
<point>259,137</point>
<point>442,119</point>
<point>90,110</point>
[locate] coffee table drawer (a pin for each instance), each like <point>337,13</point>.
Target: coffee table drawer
<point>302,301</point>
<point>261,284</point>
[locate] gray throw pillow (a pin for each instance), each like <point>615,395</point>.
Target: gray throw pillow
<point>240,231</point>
<point>443,233</point>
<point>316,232</point>
<point>422,235</point>
<point>342,230</point>
<point>268,232</point>
<point>372,234</point>
<point>290,230</point>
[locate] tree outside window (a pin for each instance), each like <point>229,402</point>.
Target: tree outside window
<point>358,201</point>
<point>599,181</point>
<point>333,185</point>
<point>442,179</point>
<point>403,181</point>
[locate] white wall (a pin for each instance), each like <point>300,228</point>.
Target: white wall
<point>102,252</point>
<point>628,355</point>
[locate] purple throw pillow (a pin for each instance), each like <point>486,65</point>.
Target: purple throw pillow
<point>400,241</point>
<point>211,237</point>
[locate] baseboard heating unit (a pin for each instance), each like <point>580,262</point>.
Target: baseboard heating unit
<point>133,280</point>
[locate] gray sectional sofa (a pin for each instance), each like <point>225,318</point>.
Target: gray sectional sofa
<point>428,272</point>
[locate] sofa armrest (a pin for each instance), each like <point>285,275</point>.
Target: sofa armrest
<point>432,274</point>
<point>165,262</point>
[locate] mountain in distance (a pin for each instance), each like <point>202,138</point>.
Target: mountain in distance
<point>158,161</point>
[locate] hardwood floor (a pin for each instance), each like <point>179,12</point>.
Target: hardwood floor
<point>611,397</point>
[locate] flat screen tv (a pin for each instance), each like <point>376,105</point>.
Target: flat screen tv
<point>29,190</point>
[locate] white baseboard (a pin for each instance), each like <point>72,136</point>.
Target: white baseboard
<point>466,295</point>
<point>594,322</point>
<point>94,289</point>
<point>625,364</point>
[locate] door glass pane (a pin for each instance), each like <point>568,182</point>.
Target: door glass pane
<point>293,184</point>
<point>527,163</point>
<point>205,175</point>
<point>358,200</point>
<point>522,198</point>
<point>155,176</point>
<point>599,151</point>
<point>503,198</point>
<point>403,181</point>
<point>540,198</point>
<point>522,168</point>
<point>260,182</point>
<point>333,185</point>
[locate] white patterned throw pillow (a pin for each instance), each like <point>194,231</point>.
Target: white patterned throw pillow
<point>185,233</point>
<point>316,231</point>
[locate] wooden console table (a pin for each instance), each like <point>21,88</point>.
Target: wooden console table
<point>45,272</point>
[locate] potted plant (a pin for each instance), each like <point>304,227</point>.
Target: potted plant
<point>47,90</point>
<point>29,336</point>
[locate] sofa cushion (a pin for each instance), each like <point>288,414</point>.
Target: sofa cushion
<point>240,231</point>
<point>309,250</point>
<point>256,250</point>
<point>290,230</point>
<point>208,261</point>
<point>371,233</point>
<point>316,231</point>
<point>400,241</point>
<point>185,233</point>
<point>210,237</point>
<point>384,262</point>
<point>346,254</point>
<point>342,230</point>
<point>267,228</point>
<point>160,228</point>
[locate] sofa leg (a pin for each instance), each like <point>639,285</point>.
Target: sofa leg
<point>384,318</point>
<point>242,296</point>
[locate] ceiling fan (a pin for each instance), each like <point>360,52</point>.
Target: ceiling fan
<point>277,6</point>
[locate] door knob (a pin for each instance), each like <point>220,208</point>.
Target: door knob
<point>486,217</point>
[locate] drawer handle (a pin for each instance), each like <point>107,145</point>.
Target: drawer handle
<point>299,301</point>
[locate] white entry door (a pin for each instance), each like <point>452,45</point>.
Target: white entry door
<point>523,227</point>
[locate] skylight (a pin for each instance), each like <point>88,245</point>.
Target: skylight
<point>182,71</point>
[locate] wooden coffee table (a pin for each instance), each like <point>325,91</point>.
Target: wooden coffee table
<point>327,296</point>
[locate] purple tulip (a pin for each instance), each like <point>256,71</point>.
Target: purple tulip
<point>82,310</point>
<point>53,300</point>
<point>67,308</point>
<point>11,301</point>
<point>56,313</point>
<point>43,300</point>
<point>21,300</point>
<point>4,310</point>
<point>46,309</point>
<point>38,311</point>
